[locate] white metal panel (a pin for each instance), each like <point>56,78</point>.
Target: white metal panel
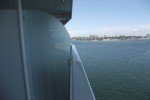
<point>12,85</point>
<point>80,86</point>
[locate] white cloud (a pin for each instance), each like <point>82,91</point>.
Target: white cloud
<point>135,29</point>
<point>127,30</point>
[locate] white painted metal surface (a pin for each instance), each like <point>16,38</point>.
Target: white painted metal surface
<point>80,87</point>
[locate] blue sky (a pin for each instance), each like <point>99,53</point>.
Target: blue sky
<point>109,17</point>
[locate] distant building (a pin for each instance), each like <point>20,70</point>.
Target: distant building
<point>147,35</point>
<point>105,36</point>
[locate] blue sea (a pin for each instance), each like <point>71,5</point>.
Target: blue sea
<point>117,70</point>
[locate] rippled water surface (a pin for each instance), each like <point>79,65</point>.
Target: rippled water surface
<point>117,70</point>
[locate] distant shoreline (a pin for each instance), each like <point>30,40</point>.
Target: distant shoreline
<point>110,38</point>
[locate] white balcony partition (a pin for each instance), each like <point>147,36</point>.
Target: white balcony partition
<point>80,87</point>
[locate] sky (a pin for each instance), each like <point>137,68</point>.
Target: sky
<point>109,17</point>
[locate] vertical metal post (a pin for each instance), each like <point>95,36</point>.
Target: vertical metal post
<point>23,50</point>
<point>71,88</point>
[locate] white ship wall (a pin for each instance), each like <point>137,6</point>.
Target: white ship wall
<point>47,45</point>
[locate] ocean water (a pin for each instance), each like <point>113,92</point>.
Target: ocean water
<point>117,70</point>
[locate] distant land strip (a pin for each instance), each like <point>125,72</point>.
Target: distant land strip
<point>105,38</point>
